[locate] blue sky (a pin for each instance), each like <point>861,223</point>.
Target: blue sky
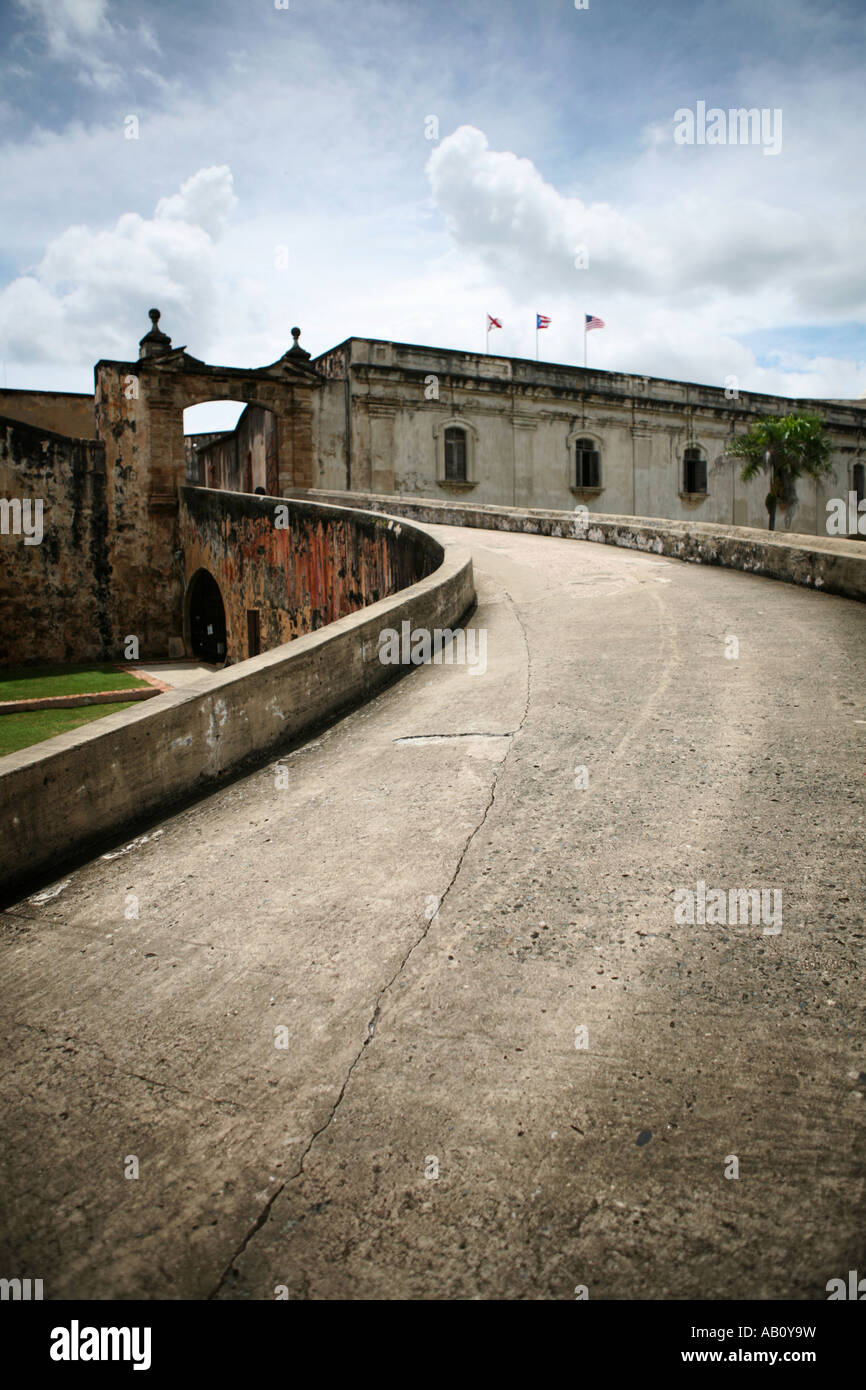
<point>282,175</point>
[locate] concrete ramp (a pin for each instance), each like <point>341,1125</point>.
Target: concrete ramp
<point>420,1013</point>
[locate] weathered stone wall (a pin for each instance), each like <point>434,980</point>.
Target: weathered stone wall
<point>145,463</point>
<point>523,419</point>
<point>139,415</point>
<point>322,564</point>
<point>55,596</point>
<point>332,420</point>
<point>64,412</point>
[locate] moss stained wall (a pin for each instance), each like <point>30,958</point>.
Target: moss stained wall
<point>144,458</point>
<point>322,565</point>
<point>55,596</point>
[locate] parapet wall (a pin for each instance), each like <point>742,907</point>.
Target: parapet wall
<point>833,565</point>
<point>298,565</point>
<point>71,795</point>
<point>65,412</point>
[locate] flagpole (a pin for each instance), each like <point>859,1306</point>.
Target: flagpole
<point>584,342</point>
<point>536,337</point>
<point>487,336</point>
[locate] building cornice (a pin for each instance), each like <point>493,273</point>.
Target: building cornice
<point>523,372</point>
<point>732,412</point>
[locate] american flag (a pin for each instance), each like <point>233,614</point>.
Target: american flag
<point>593,322</point>
<point>493,323</point>
<point>542,321</point>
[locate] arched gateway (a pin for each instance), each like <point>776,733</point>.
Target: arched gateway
<point>139,418</point>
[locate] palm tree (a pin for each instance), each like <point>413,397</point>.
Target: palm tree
<point>785,447</point>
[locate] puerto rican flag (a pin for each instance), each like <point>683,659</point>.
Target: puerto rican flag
<point>593,322</point>
<point>542,321</point>
<point>493,323</point>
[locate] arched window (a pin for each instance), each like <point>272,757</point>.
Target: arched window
<point>858,480</point>
<point>456,443</point>
<point>587,460</point>
<point>694,470</point>
<point>455,455</point>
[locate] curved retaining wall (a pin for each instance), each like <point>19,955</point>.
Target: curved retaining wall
<point>298,565</point>
<point>833,565</point>
<point>72,794</point>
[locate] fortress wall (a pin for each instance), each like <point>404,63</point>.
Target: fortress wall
<point>72,795</point>
<point>106,565</point>
<point>55,597</point>
<point>299,565</point>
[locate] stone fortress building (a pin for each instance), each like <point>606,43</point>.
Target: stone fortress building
<point>130,542</point>
<point>400,418</point>
<point>427,422</point>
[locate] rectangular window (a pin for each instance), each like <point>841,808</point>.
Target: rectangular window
<point>455,456</point>
<point>695,479</point>
<point>588,461</point>
<point>591,469</point>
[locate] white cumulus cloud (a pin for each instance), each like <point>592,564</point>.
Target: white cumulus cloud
<point>89,295</point>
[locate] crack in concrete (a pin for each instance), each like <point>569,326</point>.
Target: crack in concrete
<point>132,1075</point>
<point>257,1226</point>
<point>374,1017</point>
<point>170,1086</point>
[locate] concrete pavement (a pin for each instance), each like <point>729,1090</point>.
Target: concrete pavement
<point>414,1017</point>
<point>172,674</point>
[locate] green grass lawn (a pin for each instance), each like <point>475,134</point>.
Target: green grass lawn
<point>20,730</point>
<point>31,682</point>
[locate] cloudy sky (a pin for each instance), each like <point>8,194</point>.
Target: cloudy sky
<point>284,172</point>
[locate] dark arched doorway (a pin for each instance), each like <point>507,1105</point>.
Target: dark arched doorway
<point>207,618</point>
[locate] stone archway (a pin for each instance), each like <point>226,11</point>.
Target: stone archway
<point>139,418</point>
<point>206,617</point>
<point>140,405</point>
